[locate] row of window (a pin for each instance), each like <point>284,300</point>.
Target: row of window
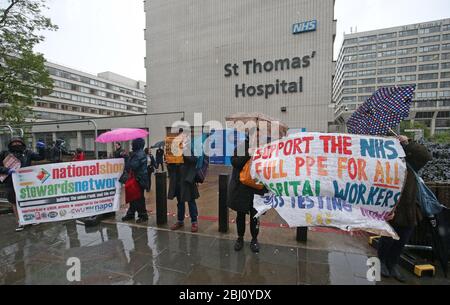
<point>94,101</point>
<point>386,36</point>
<point>406,69</point>
<point>419,95</point>
<point>86,90</point>
<point>93,82</point>
<point>394,53</point>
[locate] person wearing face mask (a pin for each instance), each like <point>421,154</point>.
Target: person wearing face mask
<point>18,149</point>
<point>137,165</point>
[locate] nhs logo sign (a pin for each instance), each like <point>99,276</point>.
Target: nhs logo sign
<point>303,27</point>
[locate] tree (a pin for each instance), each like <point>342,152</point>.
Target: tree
<point>23,75</point>
<point>405,125</point>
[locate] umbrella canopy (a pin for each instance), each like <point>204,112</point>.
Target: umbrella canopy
<point>160,144</point>
<point>382,112</point>
<point>257,118</point>
<point>121,135</point>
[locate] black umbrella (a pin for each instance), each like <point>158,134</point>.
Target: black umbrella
<point>439,240</point>
<point>159,145</point>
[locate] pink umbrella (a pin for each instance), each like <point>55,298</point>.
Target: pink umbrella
<point>121,135</point>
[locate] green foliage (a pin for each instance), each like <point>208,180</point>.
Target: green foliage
<point>442,138</point>
<point>22,72</point>
<point>405,125</point>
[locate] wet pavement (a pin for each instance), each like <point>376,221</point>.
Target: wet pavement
<point>131,254</point>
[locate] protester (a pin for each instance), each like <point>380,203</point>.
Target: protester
<point>151,164</point>
<point>240,199</point>
<point>41,147</point>
<point>79,155</point>
<point>58,151</point>
<point>119,152</point>
<point>406,215</point>
<point>160,158</point>
<point>18,149</point>
<point>182,186</point>
<point>136,166</point>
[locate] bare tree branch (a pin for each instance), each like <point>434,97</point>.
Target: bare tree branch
<point>8,9</point>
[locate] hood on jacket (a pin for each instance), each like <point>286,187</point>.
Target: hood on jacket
<point>417,155</point>
<point>60,142</point>
<point>23,146</point>
<point>138,144</point>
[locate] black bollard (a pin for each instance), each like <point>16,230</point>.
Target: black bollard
<point>302,234</point>
<point>223,209</point>
<point>161,198</point>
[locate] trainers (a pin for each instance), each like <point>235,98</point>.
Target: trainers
<point>194,228</point>
<point>20,228</point>
<point>128,218</point>
<point>177,226</point>
<point>239,244</point>
<point>254,246</point>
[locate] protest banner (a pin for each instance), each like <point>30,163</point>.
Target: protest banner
<point>351,182</point>
<point>174,150</point>
<point>10,162</point>
<point>62,191</point>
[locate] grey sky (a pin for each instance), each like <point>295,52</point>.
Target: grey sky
<point>101,35</point>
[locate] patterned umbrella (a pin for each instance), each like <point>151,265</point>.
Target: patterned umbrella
<point>382,112</point>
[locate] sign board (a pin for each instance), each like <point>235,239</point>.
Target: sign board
<point>350,182</point>
<point>63,191</point>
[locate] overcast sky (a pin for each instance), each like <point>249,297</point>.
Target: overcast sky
<point>108,35</point>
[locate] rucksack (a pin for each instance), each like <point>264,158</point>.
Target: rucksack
<point>201,169</point>
<point>428,202</point>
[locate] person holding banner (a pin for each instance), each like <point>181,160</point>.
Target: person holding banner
<point>136,170</point>
<point>240,198</point>
<point>407,214</point>
<point>17,150</point>
<point>182,185</point>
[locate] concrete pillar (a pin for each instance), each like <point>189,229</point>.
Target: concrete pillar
<point>433,123</point>
<point>54,137</point>
<point>109,149</point>
<point>79,139</point>
<point>33,141</point>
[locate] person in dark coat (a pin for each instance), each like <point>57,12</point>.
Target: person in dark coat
<point>18,149</point>
<point>183,187</point>
<point>119,152</point>
<point>58,151</point>
<point>137,163</point>
<point>160,158</point>
<point>407,214</point>
<point>240,199</point>
<point>151,165</point>
<point>41,147</point>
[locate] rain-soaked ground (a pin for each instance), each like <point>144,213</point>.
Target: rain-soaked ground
<point>126,253</point>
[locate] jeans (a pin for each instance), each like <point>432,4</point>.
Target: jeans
<point>390,250</point>
<point>193,211</point>
<point>254,224</point>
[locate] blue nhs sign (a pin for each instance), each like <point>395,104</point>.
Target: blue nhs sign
<point>303,27</point>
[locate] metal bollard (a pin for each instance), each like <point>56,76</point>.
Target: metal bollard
<point>302,234</point>
<point>223,208</point>
<point>161,198</point>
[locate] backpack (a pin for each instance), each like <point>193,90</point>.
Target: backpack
<point>201,169</point>
<point>428,202</point>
